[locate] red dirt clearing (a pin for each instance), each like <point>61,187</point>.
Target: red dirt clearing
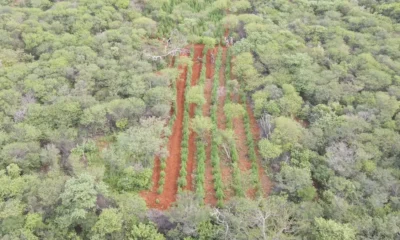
<point>226,169</point>
<point>168,196</point>
<point>198,51</point>
<point>209,185</point>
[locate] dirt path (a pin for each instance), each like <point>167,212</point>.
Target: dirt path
<point>266,183</point>
<point>226,168</point>
<point>244,161</point>
<point>209,185</point>
<point>198,52</point>
<point>168,196</point>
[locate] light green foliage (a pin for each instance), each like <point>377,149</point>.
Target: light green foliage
<point>331,230</point>
<point>132,207</point>
<point>269,150</point>
<point>201,125</point>
<point>296,181</point>
<point>234,110</point>
<point>13,170</point>
<point>110,222</point>
<point>208,42</point>
<point>287,133</point>
<point>50,188</point>
<point>239,6</point>
<point>12,192</point>
<point>130,108</point>
<point>132,179</point>
<point>243,67</point>
<point>78,200</point>
<point>196,95</point>
<point>141,143</point>
<point>230,21</point>
<point>145,232</point>
<point>122,3</point>
<point>25,154</point>
<point>189,212</point>
<point>221,4</point>
<point>80,193</point>
<point>185,61</point>
<point>34,221</point>
<point>147,24</point>
<point>94,118</point>
<point>291,103</point>
<point>270,216</point>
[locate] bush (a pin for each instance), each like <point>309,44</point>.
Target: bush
<point>162,174</point>
<point>161,182</point>
<point>182,181</point>
<point>183,171</point>
<point>163,165</point>
<point>160,189</point>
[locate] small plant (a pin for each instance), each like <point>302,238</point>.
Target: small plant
<point>162,174</point>
<point>163,165</point>
<point>160,189</point>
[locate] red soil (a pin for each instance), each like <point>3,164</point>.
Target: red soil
<point>226,169</point>
<point>266,183</point>
<point>209,185</point>
<point>168,196</point>
<point>244,162</point>
<point>198,50</point>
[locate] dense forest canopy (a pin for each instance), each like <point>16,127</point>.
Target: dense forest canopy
<point>84,111</point>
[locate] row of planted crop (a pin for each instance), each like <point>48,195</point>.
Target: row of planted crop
<point>174,103</point>
<point>236,174</point>
<point>200,145</point>
<point>184,153</point>
<point>251,146</point>
<point>215,158</point>
<point>163,163</point>
<point>182,182</point>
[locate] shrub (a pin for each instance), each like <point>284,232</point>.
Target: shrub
<point>182,181</point>
<point>162,174</point>
<point>160,189</point>
<point>163,165</point>
<point>161,182</point>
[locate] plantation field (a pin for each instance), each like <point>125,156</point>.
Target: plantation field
<point>212,148</point>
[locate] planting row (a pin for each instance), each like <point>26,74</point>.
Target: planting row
<point>215,158</point>
<point>233,153</point>
<point>251,147</point>
<point>182,182</point>
<point>183,62</point>
<point>200,145</point>
<point>171,122</point>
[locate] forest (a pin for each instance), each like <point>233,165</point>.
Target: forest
<point>199,119</point>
